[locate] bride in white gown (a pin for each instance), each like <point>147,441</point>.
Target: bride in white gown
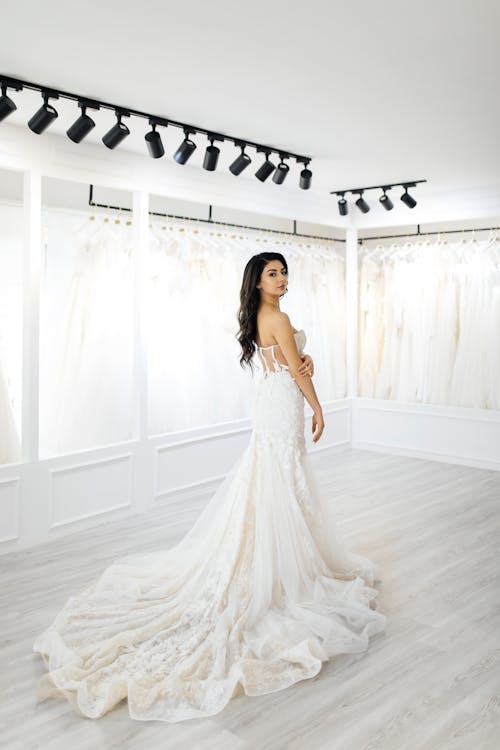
<point>257,594</point>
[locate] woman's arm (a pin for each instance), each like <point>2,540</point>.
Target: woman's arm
<point>283,332</point>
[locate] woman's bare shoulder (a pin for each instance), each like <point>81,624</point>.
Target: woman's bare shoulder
<point>273,322</point>
<point>279,321</point>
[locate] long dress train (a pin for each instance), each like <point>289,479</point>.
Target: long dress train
<point>259,592</point>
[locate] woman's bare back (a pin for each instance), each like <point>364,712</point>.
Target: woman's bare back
<point>272,350</point>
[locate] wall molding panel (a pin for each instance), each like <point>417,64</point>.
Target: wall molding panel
<point>438,433</point>
<point>81,490</point>
<point>88,489</point>
<point>10,509</point>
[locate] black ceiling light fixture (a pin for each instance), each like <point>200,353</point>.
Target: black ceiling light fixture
<point>118,132</point>
<point>186,149</point>
<point>45,115</point>
<point>343,205</point>
<point>361,203</point>
<point>212,154</point>
<point>153,140</point>
<point>281,171</point>
<point>242,161</point>
<point>7,105</point>
<point>84,124</point>
<point>305,175</point>
<point>266,168</point>
<point>407,199</point>
<point>384,199</point>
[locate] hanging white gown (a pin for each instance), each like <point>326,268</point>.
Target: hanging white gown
<point>371,331</point>
<point>438,320</point>
<point>254,598</point>
<point>86,373</point>
<point>10,444</point>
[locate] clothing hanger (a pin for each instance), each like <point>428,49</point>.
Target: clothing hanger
<point>407,249</point>
<point>389,250</point>
<point>374,250</point>
<point>495,245</point>
<point>89,227</point>
<point>472,241</point>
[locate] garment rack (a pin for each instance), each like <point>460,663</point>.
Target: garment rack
<point>221,223</point>
<point>418,233</point>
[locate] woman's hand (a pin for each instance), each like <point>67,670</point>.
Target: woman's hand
<point>307,366</point>
<point>318,424</point>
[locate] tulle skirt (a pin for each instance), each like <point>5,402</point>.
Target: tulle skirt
<point>259,592</point>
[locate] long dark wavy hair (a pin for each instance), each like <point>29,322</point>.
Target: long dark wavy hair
<point>249,303</point>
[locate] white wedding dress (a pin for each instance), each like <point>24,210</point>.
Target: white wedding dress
<point>254,598</point>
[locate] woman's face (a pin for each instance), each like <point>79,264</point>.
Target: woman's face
<point>274,278</point>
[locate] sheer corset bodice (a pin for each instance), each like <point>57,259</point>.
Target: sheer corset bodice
<point>266,355</point>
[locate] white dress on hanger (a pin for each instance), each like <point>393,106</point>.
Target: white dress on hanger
<point>469,375</point>
<point>371,331</point>
<point>390,323</point>
<point>443,331</point>
<point>253,598</point>
<point>10,444</point>
<point>86,372</point>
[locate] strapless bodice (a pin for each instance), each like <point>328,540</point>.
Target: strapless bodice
<point>266,357</point>
<point>300,340</point>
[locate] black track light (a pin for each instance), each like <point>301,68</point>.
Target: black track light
<point>153,142</point>
<point>82,126</point>
<point>343,205</point>
<point>362,204</point>
<point>186,148</point>
<point>281,171</point>
<point>265,169</point>
<point>118,132</point>
<point>407,199</point>
<point>211,156</point>
<point>305,177</point>
<point>386,201</point>
<point>241,162</point>
<point>7,106</point>
<point>44,116</point>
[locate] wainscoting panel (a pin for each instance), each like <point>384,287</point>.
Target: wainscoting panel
<point>191,463</point>
<point>90,489</point>
<point>10,511</point>
<point>40,501</point>
<point>442,433</point>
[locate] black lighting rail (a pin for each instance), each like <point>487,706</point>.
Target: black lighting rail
<point>418,233</point>
<point>384,199</point>
<point>82,126</point>
<point>217,223</point>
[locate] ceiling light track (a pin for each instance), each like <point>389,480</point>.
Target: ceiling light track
<point>47,113</point>
<point>384,199</point>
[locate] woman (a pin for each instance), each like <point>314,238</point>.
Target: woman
<point>257,594</point>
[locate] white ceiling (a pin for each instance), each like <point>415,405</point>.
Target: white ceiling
<point>374,92</point>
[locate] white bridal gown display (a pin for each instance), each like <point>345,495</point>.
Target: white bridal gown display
<point>10,444</point>
<point>257,594</point>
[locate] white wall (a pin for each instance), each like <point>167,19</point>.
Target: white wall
<point>41,500</point>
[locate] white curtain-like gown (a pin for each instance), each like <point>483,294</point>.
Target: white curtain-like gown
<point>254,598</point>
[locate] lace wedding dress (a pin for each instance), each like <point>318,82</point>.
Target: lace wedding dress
<point>257,594</point>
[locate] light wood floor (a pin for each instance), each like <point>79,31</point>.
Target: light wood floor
<point>431,681</point>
